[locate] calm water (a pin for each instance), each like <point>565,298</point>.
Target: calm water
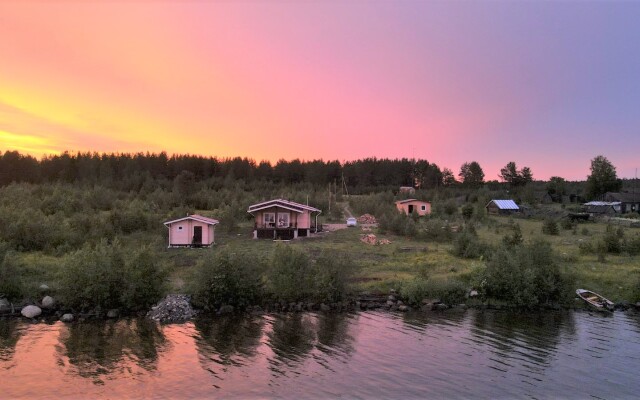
<point>457,354</point>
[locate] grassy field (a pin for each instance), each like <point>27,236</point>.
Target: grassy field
<point>384,267</point>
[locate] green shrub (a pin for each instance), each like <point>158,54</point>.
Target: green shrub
<point>290,276</point>
<point>467,211</point>
<point>567,224</point>
<point>232,278</point>
<point>332,276</point>
<point>525,276</point>
<point>515,238</point>
<point>631,246</point>
<point>550,227</point>
<point>11,285</point>
<point>467,245</point>
<point>109,276</point>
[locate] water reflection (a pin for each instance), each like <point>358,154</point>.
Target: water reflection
<point>292,337</point>
<point>227,340</point>
<point>9,336</point>
<point>99,348</point>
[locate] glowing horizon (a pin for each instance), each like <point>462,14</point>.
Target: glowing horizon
<point>547,85</point>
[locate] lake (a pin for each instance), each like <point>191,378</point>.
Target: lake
<point>451,354</point>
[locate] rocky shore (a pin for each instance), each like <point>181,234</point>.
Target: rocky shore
<point>176,308</point>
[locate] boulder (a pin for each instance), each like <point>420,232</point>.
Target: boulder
<point>5,306</point>
<point>48,302</point>
<point>391,298</point>
<point>324,307</point>
<point>44,287</point>
<point>67,318</point>
<point>31,311</point>
<point>113,313</point>
<point>403,308</point>
<point>473,293</point>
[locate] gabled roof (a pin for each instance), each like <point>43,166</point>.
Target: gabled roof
<point>505,204</point>
<point>289,205</point>
<point>195,217</point>
<point>410,200</point>
<point>624,197</point>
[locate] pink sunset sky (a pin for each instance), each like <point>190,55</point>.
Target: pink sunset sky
<point>549,85</point>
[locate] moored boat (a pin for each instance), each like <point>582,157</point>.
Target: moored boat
<point>596,300</point>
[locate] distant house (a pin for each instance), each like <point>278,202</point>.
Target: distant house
<point>629,202</point>
<point>192,231</point>
<point>595,208</point>
<point>502,207</point>
<point>407,189</point>
<point>410,206</point>
<point>283,219</point>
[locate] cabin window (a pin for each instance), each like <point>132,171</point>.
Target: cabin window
<point>179,228</point>
<point>283,220</point>
<point>270,220</point>
<point>423,207</point>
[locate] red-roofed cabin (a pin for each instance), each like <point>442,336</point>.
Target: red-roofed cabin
<point>192,231</point>
<point>283,219</point>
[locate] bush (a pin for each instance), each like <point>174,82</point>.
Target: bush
<point>228,278</point>
<point>332,276</point>
<point>550,227</point>
<point>514,239</point>
<point>467,211</point>
<point>11,285</point>
<point>467,245</point>
<point>525,276</point>
<point>290,277</point>
<point>567,224</point>
<point>107,276</point>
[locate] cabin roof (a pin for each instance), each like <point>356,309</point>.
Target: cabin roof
<point>289,205</point>
<point>195,217</point>
<point>602,203</point>
<point>504,204</point>
<point>410,200</point>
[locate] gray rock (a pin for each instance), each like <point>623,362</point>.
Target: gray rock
<point>31,311</point>
<point>440,306</point>
<point>473,293</point>
<point>390,303</point>
<point>400,302</point>
<point>173,308</point>
<point>403,308</point>
<point>225,309</point>
<point>5,306</point>
<point>67,318</point>
<point>48,302</point>
<point>113,313</point>
<point>44,287</point>
<point>391,298</point>
<point>324,307</point>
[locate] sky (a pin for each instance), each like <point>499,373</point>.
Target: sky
<point>548,85</point>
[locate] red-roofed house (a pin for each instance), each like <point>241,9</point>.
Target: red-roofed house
<point>192,231</point>
<point>283,219</point>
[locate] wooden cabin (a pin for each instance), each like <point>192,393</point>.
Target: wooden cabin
<point>409,206</point>
<point>192,231</point>
<point>283,219</point>
<point>502,207</point>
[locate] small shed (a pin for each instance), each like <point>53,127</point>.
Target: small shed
<point>629,202</point>
<point>409,206</point>
<point>502,207</point>
<point>192,231</point>
<point>602,207</point>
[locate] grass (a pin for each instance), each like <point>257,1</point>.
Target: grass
<point>385,267</point>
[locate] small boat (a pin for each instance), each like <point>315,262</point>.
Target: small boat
<point>596,300</point>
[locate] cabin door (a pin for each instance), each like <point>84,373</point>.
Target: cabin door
<point>410,208</point>
<point>197,235</point>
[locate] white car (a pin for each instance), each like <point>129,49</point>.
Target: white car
<point>352,222</point>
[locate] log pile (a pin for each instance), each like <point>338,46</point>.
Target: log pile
<point>367,219</point>
<point>370,238</point>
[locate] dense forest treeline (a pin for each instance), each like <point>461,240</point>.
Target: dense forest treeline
<point>110,168</point>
